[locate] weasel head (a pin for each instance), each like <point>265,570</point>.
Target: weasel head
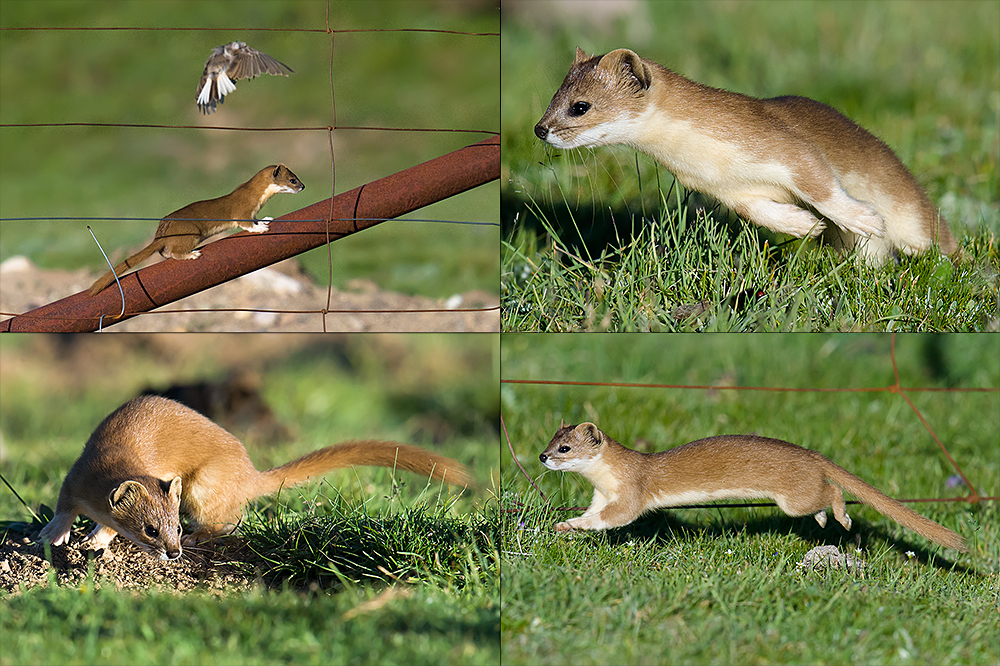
<point>147,512</point>
<point>575,448</point>
<point>598,100</point>
<point>272,180</point>
<point>279,178</point>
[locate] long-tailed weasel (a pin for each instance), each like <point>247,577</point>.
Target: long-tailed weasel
<point>628,483</point>
<point>181,231</point>
<point>231,62</point>
<point>790,164</point>
<point>153,458</point>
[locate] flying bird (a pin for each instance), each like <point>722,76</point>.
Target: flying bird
<point>228,63</point>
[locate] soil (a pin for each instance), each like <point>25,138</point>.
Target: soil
<point>24,287</point>
<point>23,563</point>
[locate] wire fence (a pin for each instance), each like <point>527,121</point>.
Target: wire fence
<point>310,227</point>
<point>896,388</point>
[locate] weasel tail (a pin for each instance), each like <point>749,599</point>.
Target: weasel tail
<point>889,507</point>
<point>119,270</point>
<point>374,453</point>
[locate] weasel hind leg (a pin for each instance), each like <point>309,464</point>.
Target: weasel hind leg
<point>850,214</point>
<point>193,254</point>
<point>836,498</point>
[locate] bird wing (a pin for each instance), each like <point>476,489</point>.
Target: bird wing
<point>248,63</point>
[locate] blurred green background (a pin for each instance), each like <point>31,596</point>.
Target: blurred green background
<point>395,79</point>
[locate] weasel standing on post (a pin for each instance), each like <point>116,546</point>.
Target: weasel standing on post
<point>182,230</point>
<point>154,458</point>
<point>774,162</point>
<point>628,483</point>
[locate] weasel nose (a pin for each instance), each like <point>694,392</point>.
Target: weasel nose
<point>541,131</point>
<point>542,457</point>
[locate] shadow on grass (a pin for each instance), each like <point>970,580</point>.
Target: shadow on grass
<point>665,528</point>
<point>589,230</point>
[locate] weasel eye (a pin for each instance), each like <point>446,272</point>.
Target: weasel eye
<point>579,108</point>
<point>563,449</point>
<point>152,531</point>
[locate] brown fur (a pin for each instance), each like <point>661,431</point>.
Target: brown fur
<point>628,483</point>
<point>790,164</point>
<point>153,458</point>
<point>180,232</point>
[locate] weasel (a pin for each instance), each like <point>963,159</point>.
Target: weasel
<point>154,458</point>
<point>790,164</point>
<point>628,483</point>
<point>179,233</point>
<point>230,62</point>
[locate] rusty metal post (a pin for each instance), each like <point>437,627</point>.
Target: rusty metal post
<point>289,235</point>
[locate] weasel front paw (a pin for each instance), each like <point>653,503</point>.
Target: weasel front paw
<point>261,226</point>
<point>563,527</point>
<point>55,535</point>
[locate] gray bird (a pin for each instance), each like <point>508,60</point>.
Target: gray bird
<point>228,63</point>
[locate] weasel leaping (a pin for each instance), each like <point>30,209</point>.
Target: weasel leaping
<point>775,162</point>
<point>628,483</point>
<point>228,63</point>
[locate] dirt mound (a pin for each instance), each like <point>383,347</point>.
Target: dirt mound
<point>22,562</point>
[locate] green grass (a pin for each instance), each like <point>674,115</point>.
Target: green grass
<point>348,545</point>
<point>421,80</point>
<point>631,249</point>
<point>445,607</point>
<point>679,274</point>
<point>321,550</point>
<point>720,585</point>
<point>433,626</point>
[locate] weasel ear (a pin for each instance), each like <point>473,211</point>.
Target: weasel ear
<point>581,56</point>
<point>126,495</point>
<point>172,488</point>
<point>590,430</point>
<point>628,63</point>
<point>277,170</point>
